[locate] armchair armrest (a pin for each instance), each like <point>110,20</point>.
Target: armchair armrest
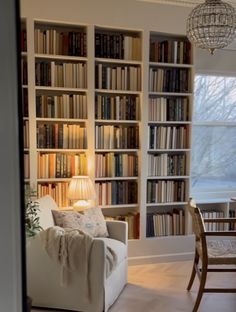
<point>118,230</point>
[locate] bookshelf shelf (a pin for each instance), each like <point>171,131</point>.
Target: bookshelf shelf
<point>117,61</point>
<point>175,65</point>
<point>167,177</point>
<point>169,150</point>
<point>60,57</point>
<point>115,178</point>
<point>24,54</point>
<point>112,121</point>
<point>54,180</point>
<point>61,150</point>
<point>25,86</point>
<point>110,91</point>
<point>128,150</point>
<point>180,94</point>
<point>153,122</point>
<point>63,120</point>
<point>118,206</point>
<point>60,89</point>
<point>166,204</point>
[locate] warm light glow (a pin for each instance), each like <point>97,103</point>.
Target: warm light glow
<point>81,189</point>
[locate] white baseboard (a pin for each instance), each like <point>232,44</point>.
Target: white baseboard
<point>160,258</point>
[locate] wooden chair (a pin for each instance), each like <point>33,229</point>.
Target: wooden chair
<point>221,251</point>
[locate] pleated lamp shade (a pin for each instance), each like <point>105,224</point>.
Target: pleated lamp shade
<point>81,189</point>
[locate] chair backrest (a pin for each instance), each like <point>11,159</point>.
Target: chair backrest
<point>46,205</point>
<point>197,220</point>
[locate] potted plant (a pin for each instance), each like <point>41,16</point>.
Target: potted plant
<point>32,225</point>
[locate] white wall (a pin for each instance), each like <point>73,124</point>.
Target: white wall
<point>116,13</point>
<point>10,234</point>
<point>223,61</point>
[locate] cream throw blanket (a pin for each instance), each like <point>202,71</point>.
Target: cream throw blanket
<point>70,248</point>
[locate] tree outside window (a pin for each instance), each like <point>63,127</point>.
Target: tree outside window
<point>213,164</point>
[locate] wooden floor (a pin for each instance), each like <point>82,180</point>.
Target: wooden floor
<point>162,288</point>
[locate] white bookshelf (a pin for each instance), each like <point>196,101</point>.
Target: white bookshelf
<point>118,65</point>
<point>170,93</point>
<point>92,90</point>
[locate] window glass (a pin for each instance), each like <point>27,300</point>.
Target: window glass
<point>215,98</point>
<point>213,165</point>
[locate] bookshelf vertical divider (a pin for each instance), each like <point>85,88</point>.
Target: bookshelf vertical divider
<point>90,103</point>
<point>143,135</point>
<point>31,101</point>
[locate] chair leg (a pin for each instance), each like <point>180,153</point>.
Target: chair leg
<point>201,288</point>
<point>193,274</point>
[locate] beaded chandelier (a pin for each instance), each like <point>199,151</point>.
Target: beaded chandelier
<point>212,25</point>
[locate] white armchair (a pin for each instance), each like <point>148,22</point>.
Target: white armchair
<point>43,274</point>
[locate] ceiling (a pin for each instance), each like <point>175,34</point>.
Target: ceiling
<point>189,3</point>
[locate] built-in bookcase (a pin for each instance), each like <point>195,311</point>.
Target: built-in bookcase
<point>60,52</point>
<point>118,86</point>
<point>92,112</point>
<point>169,128</point>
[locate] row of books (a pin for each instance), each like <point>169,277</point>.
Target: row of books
<point>60,165</point>
<point>23,40</point>
<point>116,165</point>
<point>167,137</point>
<point>117,107</point>
<point>232,226</point>
<point>26,133</point>
<point>61,106</point>
<point>165,224</point>
<point>133,220</point>
<point>166,165</point>
<point>117,46</point>
<point>213,226</point>
<point>26,166</point>
<point>169,80</point>
<point>118,77</point>
<point>25,107</point>
<point>116,192</point>
<point>120,137</point>
<point>169,51</point>
<point>24,72</point>
<point>66,75</point>
<point>168,109</point>
<point>66,136</point>
<point>165,191</point>
<point>58,191</point>
<point>54,41</point>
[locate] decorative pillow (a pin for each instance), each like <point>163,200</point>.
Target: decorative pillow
<point>97,216</point>
<point>72,219</point>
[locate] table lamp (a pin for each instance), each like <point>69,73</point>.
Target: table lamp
<point>82,191</point>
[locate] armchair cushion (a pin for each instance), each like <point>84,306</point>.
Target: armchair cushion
<point>92,222</point>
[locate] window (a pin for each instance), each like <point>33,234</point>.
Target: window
<point>214,134</point>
